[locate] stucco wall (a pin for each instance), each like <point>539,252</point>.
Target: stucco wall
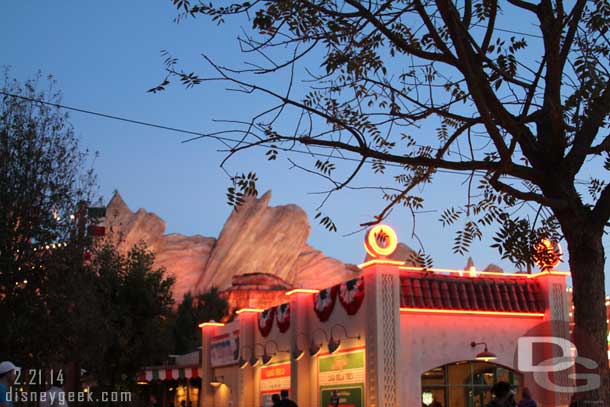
<point>428,341</point>
<point>224,395</point>
<point>354,326</point>
<point>283,343</point>
<point>282,340</point>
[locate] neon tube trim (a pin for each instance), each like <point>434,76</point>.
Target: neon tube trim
<point>204,324</point>
<point>253,310</point>
<point>302,291</point>
<point>470,312</point>
<point>487,273</point>
<point>377,261</point>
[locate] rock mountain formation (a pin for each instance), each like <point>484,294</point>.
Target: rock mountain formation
<point>256,240</point>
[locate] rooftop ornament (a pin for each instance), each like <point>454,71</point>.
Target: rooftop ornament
<point>380,241</point>
<point>548,254</point>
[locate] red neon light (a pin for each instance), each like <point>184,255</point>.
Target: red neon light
<point>487,273</point>
<point>549,273</point>
<point>377,261</point>
<point>471,312</point>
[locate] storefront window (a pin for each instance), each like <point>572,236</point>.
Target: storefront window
<point>464,384</point>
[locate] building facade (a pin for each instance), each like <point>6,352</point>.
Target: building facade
<point>395,336</point>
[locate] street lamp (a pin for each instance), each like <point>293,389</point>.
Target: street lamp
<point>335,343</point>
<point>486,355</point>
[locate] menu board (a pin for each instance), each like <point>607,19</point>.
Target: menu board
<point>341,376</point>
<point>224,349</point>
<point>274,379</point>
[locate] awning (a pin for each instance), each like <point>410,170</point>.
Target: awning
<point>150,374</point>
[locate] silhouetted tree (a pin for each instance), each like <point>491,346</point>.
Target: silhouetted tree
<point>43,180</point>
<point>191,312</point>
<point>133,304</point>
<point>518,114</point>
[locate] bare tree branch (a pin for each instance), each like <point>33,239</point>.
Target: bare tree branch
<point>524,5</point>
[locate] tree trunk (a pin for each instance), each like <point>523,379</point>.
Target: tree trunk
<point>591,329</point>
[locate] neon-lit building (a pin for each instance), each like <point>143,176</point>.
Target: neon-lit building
<point>395,336</point>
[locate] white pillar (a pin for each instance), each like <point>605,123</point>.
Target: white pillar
<point>382,297</point>
<point>300,371</point>
<point>208,330</point>
<point>246,395</point>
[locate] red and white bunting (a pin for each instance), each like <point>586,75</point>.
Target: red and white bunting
<point>265,321</point>
<point>324,303</point>
<point>283,317</point>
<point>351,295</point>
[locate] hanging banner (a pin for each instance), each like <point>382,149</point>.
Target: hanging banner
<point>265,321</point>
<point>341,377</point>
<point>274,379</point>
<point>224,349</point>
<point>282,316</point>
<point>351,295</point>
<point>324,303</point>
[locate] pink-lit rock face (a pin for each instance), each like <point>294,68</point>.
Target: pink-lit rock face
<point>184,257</point>
<point>315,270</point>
<point>128,228</point>
<point>257,238</point>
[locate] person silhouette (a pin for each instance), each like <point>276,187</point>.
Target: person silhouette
<point>286,402</point>
<point>334,399</point>
<point>526,399</point>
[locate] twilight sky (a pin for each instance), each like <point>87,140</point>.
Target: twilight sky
<point>105,55</point>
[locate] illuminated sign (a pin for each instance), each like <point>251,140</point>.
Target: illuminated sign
<point>224,349</point>
<point>380,241</point>
<point>341,376</point>
<point>274,379</point>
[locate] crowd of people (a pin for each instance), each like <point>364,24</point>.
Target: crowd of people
<point>503,396</point>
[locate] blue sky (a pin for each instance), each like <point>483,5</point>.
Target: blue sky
<point>105,55</point>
